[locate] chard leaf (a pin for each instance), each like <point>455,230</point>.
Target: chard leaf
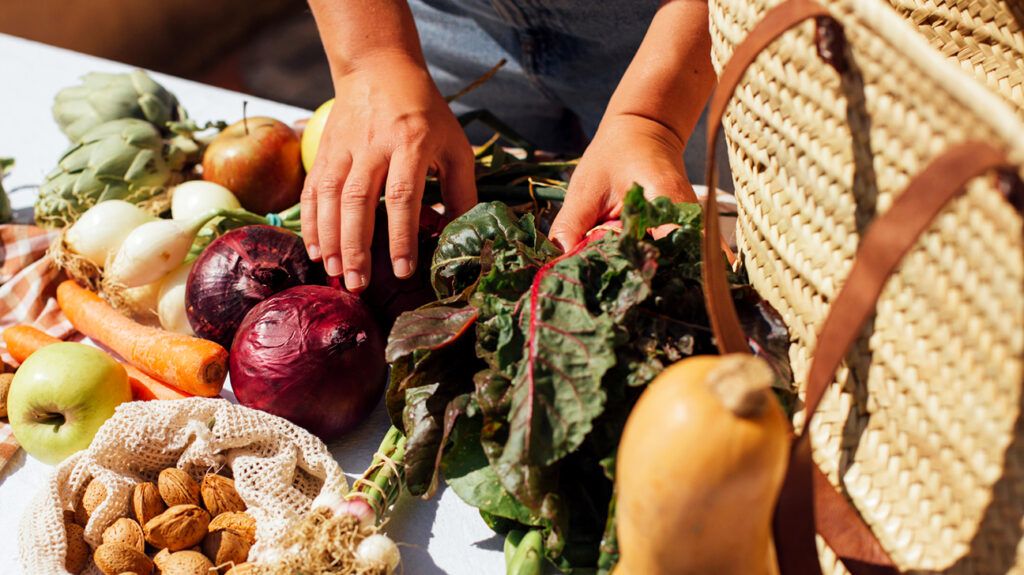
<point>428,328</point>
<point>429,416</point>
<point>457,261</point>
<point>467,471</point>
<point>567,348</point>
<point>640,215</point>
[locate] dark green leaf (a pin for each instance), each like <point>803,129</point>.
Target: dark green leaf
<point>467,472</point>
<point>428,328</point>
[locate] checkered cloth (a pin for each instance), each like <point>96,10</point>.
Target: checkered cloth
<point>28,286</point>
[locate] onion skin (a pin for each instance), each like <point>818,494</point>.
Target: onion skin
<point>239,270</point>
<point>313,355</point>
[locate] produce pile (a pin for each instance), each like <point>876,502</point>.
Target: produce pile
<point>509,369</point>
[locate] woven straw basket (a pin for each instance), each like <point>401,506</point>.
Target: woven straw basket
<point>921,427</point>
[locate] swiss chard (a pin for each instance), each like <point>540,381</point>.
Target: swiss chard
<point>518,384</point>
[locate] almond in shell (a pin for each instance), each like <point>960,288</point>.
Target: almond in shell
<point>146,502</point>
<point>240,523</point>
<point>219,495</point>
<point>180,527</point>
<point>126,532</point>
<point>114,559</point>
<point>77,557</point>
<point>93,495</point>
<point>224,547</point>
<point>186,563</point>
<point>177,487</point>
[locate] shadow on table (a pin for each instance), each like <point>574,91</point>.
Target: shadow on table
<point>412,536</point>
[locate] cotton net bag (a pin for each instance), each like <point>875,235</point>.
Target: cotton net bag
<point>278,469</point>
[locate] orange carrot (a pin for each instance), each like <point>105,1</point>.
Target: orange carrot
<point>24,340</point>
<point>195,365</point>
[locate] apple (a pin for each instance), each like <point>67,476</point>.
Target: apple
<point>61,396</point>
<point>259,160</point>
<point>311,134</point>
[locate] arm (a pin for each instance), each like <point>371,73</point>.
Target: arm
<point>389,127</point>
<point>647,123</point>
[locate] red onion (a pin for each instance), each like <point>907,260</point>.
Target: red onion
<point>239,270</point>
<point>313,355</point>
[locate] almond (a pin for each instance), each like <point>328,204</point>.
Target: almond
<point>244,569</point>
<point>177,487</point>
<point>186,563</point>
<point>238,522</point>
<point>146,502</point>
<point>219,495</point>
<point>114,559</point>
<point>160,557</point>
<point>5,386</point>
<point>180,527</point>
<point>126,532</point>
<point>94,494</point>
<point>223,547</point>
<point>77,557</point>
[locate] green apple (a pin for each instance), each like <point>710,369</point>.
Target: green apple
<point>312,132</point>
<point>61,396</point>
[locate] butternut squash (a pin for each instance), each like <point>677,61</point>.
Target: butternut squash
<point>699,468</point>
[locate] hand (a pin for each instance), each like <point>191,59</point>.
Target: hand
<point>389,127</point>
<point>627,149</point>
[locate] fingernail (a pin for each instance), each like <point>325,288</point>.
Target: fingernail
<point>334,266</point>
<point>314,252</point>
<point>402,267</point>
<point>354,280</point>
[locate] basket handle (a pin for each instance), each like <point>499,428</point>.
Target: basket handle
<point>808,502</point>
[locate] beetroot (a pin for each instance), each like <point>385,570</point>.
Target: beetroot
<point>239,270</point>
<point>313,355</point>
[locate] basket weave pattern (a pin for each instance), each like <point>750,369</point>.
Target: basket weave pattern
<point>922,425</point>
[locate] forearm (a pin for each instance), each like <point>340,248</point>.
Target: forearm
<point>354,31</point>
<point>671,75</point>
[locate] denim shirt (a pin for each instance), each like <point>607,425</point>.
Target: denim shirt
<point>565,58</point>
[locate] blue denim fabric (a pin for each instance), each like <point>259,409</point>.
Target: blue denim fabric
<point>565,58</point>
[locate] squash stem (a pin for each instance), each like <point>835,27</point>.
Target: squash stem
<point>742,382</point>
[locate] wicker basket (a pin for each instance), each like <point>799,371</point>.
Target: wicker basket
<point>985,37</point>
<point>921,428</point>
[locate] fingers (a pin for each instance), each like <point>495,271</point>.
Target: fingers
<point>402,195</point>
<point>326,187</point>
<point>359,198</point>
<point>458,182</point>
<point>584,205</point>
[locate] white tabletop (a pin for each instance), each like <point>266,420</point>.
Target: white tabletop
<point>442,535</point>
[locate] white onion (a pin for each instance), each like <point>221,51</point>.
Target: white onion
<point>142,301</point>
<point>101,230</point>
<point>379,550</point>
<point>153,250</point>
<point>197,197</point>
<point>171,301</point>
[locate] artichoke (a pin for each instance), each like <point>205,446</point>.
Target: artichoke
<point>103,97</point>
<point>5,202</point>
<point>125,159</point>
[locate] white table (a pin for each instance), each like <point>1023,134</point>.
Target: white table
<point>442,535</point>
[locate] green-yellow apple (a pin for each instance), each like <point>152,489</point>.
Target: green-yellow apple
<point>311,134</point>
<point>260,161</point>
<point>61,396</point>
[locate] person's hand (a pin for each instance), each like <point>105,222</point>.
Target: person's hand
<point>388,128</point>
<point>627,149</point>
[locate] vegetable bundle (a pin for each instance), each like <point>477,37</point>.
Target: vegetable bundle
<point>561,346</point>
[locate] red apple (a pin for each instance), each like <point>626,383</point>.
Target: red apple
<point>260,160</point>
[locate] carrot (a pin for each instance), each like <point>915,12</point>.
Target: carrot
<point>195,365</point>
<point>24,340</point>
